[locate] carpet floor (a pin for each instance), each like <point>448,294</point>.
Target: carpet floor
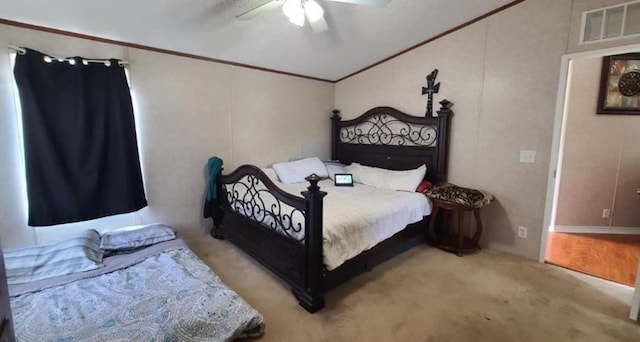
<point>426,294</point>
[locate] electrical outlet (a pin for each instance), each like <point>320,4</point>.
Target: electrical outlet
<point>522,232</point>
<point>527,156</point>
<point>606,213</point>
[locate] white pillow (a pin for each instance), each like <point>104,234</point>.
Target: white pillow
<point>271,174</point>
<point>404,180</point>
<point>130,238</point>
<point>296,171</point>
<point>355,170</point>
<point>334,167</point>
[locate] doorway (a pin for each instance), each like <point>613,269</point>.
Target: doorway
<point>591,221</point>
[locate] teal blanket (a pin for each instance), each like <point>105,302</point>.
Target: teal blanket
<point>214,166</point>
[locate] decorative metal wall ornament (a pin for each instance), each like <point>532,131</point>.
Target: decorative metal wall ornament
<point>383,129</point>
<point>250,197</point>
<point>431,88</point>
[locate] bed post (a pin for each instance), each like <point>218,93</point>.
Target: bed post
<point>444,116</point>
<point>216,212</point>
<point>335,131</point>
<point>312,296</point>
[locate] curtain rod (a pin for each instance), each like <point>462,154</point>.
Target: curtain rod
<point>49,58</point>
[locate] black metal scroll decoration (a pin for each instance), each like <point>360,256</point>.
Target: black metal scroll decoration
<point>252,199</point>
<point>384,129</point>
<point>431,88</point>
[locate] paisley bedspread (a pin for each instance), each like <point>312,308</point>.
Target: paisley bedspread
<point>162,293</point>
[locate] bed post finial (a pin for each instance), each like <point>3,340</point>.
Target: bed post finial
<point>313,180</point>
<point>445,107</point>
<point>335,131</point>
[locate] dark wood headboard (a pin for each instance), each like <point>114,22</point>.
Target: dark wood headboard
<point>385,137</point>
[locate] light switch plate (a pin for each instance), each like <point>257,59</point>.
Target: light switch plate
<point>527,156</point>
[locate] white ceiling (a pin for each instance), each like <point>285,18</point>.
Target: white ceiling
<point>358,36</point>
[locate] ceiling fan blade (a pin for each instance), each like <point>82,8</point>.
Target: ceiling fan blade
<point>259,10</point>
<point>380,3</point>
<point>320,25</point>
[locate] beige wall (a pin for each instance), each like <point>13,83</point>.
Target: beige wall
<point>186,110</point>
<point>601,157</point>
<point>502,75</point>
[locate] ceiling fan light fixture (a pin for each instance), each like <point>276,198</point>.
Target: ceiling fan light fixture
<point>313,10</point>
<point>294,11</point>
<point>297,18</point>
<point>290,7</point>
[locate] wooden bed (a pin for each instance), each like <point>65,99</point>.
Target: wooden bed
<point>381,137</point>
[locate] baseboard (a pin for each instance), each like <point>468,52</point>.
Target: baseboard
<point>596,230</point>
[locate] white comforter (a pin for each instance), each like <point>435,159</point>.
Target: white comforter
<point>359,217</point>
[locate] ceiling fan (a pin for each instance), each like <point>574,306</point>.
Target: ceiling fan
<point>297,10</point>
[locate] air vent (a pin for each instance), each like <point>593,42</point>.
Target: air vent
<point>610,23</point>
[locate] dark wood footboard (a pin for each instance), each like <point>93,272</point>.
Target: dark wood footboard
<point>253,209</point>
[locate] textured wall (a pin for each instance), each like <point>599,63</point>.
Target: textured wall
<point>601,157</point>
<point>502,75</point>
<point>187,110</point>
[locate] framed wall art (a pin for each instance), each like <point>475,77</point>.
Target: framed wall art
<point>620,85</point>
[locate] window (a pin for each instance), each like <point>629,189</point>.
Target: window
<point>80,144</point>
<point>609,23</point>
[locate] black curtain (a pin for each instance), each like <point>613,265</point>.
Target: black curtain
<point>81,152</point>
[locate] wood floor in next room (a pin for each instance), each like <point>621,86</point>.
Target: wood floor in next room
<point>609,256</point>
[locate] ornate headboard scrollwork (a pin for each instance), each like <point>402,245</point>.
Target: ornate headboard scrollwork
<point>384,129</point>
<point>386,137</point>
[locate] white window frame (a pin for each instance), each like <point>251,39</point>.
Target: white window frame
<point>604,10</point>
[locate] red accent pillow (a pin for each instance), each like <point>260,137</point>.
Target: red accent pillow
<point>424,186</point>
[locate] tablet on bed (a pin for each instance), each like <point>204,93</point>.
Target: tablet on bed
<point>343,179</point>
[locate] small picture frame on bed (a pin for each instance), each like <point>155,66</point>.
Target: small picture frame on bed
<point>343,179</point>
